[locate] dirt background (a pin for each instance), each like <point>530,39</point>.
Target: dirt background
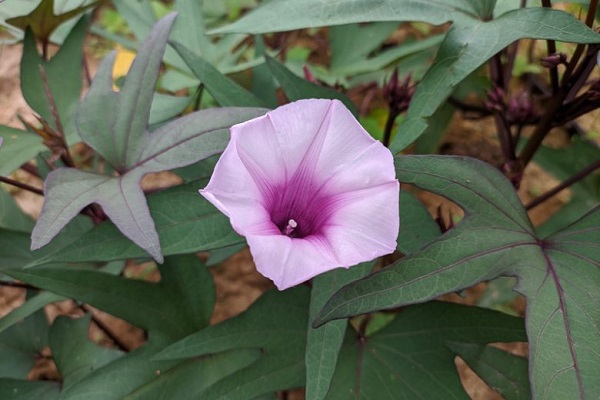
<point>237,282</point>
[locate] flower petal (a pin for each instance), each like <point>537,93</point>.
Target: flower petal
<point>289,262</point>
<point>365,225</point>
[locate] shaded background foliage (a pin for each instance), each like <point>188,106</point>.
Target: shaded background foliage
<point>353,333</point>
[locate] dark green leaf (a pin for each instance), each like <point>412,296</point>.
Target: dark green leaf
<point>502,371</point>
<point>11,216</point>
<point>63,78</point>
<point>21,344</point>
<point>17,389</point>
<point>558,275</point>
<point>417,228</point>
<point>189,379</point>
<point>18,147</point>
<point>284,316</point>
<point>297,88</point>
<point>324,343</point>
<point>225,91</point>
<point>408,358</point>
<point>165,309</point>
<point>74,354</point>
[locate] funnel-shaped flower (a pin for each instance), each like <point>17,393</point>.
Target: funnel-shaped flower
<point>309,189</point>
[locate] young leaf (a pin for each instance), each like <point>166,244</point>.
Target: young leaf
<point>115,124</point>
<point>284,316</point>
<point>43,21</point>
<point>502,371</point>
<point>73,352</point>
<point>558,275</point>
<point>297,88</point>
<point>177,306</point>
<point>409,358</point>
<point>32,305</point>
<point>324,343</point>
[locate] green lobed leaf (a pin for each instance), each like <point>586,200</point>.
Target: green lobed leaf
<point>179,305</point>
<point>115,124</point>
<point>408,358</point>
<point>74,354</point>
<point>284,316</point>
<point>468,45</point>
<point>323,344</point>
<point>185,221</point>
<point>297,88</point>
<point>502,371</point>
<point>558,275</point>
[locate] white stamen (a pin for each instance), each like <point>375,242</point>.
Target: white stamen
<point>290,227</point>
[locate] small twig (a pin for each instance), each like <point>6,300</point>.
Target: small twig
<point>551,49</point>
<point>104,328</point>
<point>468,107</point>
<point>589,21</point>
<point>21,185</point>
<point>30,168</point>
<point>563,185</point>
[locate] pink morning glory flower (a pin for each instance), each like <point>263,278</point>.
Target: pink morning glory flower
<point>309,189</point>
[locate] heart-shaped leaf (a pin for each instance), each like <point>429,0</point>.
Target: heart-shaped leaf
<point>558,275</point>
<point>116,124</point>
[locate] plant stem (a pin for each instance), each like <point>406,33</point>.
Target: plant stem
<point>589,21</point>
<point>563,185</point>
<point>21,185</point>
<point>389,125</point>
<point>551,49</point>
<point>542,129</point>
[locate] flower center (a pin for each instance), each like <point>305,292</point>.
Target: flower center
<point>289,229</point>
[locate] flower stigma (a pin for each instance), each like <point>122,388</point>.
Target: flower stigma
<point>289,229</point>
